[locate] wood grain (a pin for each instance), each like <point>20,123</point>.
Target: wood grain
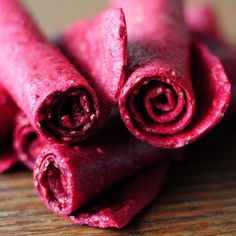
<point>198,198</point>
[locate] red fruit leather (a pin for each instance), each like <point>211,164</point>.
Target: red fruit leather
<point>161,102</point>
<point>69,178</point>
<point>59,102</point>
<point>118,206</point>
<point>98,47</point>
<point>27,142</point>
<point>203,24</point>
<point>8,111</point>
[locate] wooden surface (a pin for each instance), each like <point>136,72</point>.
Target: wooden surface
<point>199,195</point>
<point>198,198</point>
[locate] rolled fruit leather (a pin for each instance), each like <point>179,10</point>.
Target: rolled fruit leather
<point>8,112</point>
<point>176,90</point>
<point>104,182</point>
<point>27,142</point>
<point>98,48</point>
<point>59,102</point>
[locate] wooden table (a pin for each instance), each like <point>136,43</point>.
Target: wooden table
<point>198,198</point>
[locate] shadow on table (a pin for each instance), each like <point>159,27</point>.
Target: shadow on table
<point>199,188</point>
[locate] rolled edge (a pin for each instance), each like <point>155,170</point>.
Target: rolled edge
<point>54,181</point>
<point>27,143</point>
<point>70,116</point>
<point>174,112</point>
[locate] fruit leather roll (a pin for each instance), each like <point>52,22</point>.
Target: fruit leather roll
<point>59,102</point>
<point>8,111</point>
<point>27,142</point>
<point>70,180</point>
<point>98,48</point>
<point>204,25</point>
<point>175,90</point>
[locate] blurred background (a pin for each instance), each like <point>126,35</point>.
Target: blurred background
<point>54,15</point>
